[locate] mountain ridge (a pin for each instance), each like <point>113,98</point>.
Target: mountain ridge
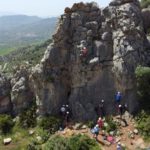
<point>22,30</point>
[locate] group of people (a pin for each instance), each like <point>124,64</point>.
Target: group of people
<point>101,113</point>
<point>65,112</point>
<point>120,108</point>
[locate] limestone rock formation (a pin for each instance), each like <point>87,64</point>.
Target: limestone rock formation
<point>21,92</point>
<point>94,53</point>
<point>146,18</point>
<point>114,38</point>
<point>5,101</point>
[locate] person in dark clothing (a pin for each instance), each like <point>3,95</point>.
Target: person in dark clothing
<point>63,114</point>
<point>101,109</point>
<point>120,110</point>
<point>125,107</point>
<point>63,111</point>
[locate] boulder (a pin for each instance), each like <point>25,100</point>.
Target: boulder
<point>31,132</point>
<point>7,141</point>
<point>39,138</point>
<point>135,131</point>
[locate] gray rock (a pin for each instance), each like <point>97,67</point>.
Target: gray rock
<point>135,131</point>
<point>84,127</point>
<point>7,141</point>
<point>114,38</point>
<point>121,2</point>
<point>21,93</point>
<point>146,18</point>
<point>31,132</point>
<point>5,101</point>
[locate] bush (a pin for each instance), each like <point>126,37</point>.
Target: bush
<point>90,124</point>
<point>33,146</point>
<point>56,143</point>
<point>143,123</point>
<point>6,123</point>
<point>50,123</point>
<point>76,142</point>
<point>145,3</point>
<point>143,85</point>
<point>44,135</point>
<point>111,124</point>
<point>82,142</point>
<point>27,117</point>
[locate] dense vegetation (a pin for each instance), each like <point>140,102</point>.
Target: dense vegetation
<point>6,124</point>
<point>76,142</point>
<point>50,123</point>
<point>19,31</point>
<point>27,118</point>
<point>145,3</point>
<point>31,54</point>
<point>143,85</point>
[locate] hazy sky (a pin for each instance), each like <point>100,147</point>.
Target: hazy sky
<point>42,8</point>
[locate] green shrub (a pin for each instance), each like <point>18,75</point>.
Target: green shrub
<point>6,123</point>
<point>33,146</point>
<point>112,126</point>
<point>143,85</point>
<point>56,143</point>
<point>27,117</point>
<point>76,142</point>
<point>50,124</point>
<point>143,123</point>
<point>82,142</point>
<point>90,124</point>
<point>43,134</point>
<point>145,3</point>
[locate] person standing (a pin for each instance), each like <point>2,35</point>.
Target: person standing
<point>119,147</point>
<point>95,131</point>
<point>120,110</point>
<point>63,115</point>
<point>100,122</point>
<point>101,109</point>
<point>118,97</point>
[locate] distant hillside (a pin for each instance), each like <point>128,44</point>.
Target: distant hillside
<point>31,54</point>
<point>9,22</point>
<point>18,31</point>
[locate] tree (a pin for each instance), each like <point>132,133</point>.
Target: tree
<point>145,3</point>
<point>6,123</point>
<point>143,85</point>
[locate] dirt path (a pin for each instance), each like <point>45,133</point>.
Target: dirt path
<point>130,143</point>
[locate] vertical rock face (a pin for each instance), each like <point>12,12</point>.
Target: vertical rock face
<point>128,45</point>
<point>21,92</point>
<point>114,40</point>
<point>5,102</point>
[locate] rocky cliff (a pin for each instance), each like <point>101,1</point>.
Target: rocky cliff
<point>115,44</point>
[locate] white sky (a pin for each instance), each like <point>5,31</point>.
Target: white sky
<point>43,8</point>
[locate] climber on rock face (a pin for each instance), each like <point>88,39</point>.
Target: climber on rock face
<point>83,52</point>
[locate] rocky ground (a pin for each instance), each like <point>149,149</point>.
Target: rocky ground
<point>129,136</point>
